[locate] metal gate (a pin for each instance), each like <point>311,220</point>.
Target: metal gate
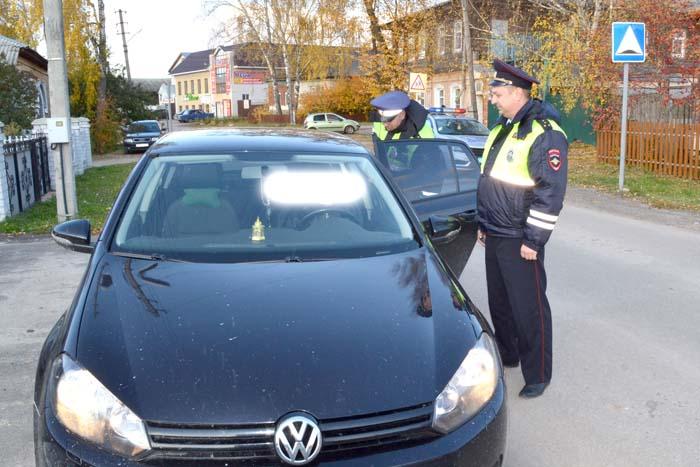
<point>26,168</point>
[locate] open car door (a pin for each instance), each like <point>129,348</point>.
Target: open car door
<point>439,178</point>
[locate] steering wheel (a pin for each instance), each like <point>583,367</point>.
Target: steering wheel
<point>306,220</point>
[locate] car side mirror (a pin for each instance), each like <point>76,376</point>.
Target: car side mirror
<point>73,235</point>
<point>444,229</point>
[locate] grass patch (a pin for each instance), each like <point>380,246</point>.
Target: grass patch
<point>660,191</point>
<point>96,189</point>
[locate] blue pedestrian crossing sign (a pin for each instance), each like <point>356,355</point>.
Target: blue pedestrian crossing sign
<point>628,42</point>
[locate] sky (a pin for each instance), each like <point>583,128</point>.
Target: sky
<point>157,31</point>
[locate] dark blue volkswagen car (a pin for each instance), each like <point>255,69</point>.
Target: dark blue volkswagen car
<point>267,298</point>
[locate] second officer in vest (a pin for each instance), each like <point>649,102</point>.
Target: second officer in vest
<point>520,195</point>
<point>400,117</point>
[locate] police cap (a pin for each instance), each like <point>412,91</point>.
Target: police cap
<point>391,103</point>
<point>509,75</point>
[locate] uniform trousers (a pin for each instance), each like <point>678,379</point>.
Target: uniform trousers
<point>519,308</point>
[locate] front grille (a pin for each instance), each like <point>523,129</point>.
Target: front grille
<point>341,436</point>
<point>211,441</point>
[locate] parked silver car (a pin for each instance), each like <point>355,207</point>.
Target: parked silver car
<point>330,121</point>
<point>448,123</point>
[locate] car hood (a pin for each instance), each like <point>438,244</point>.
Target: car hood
<point>473,141</point>
<point>248,343</point>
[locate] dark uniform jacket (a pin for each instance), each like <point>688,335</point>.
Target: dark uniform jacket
<point>527,212</point>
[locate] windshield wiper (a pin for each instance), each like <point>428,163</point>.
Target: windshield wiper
<point>152,257</point>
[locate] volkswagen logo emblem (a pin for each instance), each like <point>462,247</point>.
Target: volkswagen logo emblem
<point>297,439</point>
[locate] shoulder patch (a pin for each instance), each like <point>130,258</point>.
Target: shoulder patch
<point>554,159</point>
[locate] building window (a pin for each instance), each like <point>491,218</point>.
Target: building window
<point>458,36</point>
<point>185,87</point>
<point>456,96</point>
<point>206,86</point>
<point>221,80</point>
<point>246,97</point>
<point>208,108</point>
<point>441,40</point>
<point>439,97</point>
<point>179,88</point>
<point>180,108</point>
<point>420,98</point>
<point>678,46</point>
<point>192,86</point>
<point>199,86</point>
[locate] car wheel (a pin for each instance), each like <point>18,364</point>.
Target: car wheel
<point>349,130</point>
<point>312,128</point>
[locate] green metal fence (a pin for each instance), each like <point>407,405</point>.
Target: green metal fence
<point>576,123</point>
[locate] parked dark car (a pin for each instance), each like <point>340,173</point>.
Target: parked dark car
<point>267,298</point>
<point>193,114</point>
<point>140,135</point>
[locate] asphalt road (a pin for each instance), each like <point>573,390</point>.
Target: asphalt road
<point>625,297</point>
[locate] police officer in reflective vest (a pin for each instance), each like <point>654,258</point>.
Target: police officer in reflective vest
<point>520,195</point>
<point>400,117</point>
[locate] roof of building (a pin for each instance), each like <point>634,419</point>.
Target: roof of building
<point>194,61</point>
<point>150,85</point>
<point>11,49</point>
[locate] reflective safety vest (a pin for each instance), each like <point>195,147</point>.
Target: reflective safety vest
<point>380,131</point>
<point>510,165</point>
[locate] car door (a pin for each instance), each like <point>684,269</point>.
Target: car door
<point>335,122</point>
<point>319,121</point>
<point>439,178</point>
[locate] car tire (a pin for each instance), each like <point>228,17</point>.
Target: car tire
<point>349,130</point>
<point>312,128</point>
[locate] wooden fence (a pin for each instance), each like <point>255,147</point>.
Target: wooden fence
<point>668,149</point>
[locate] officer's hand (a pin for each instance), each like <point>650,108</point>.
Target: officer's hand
<point>528,253</point>
<point>481,237</point>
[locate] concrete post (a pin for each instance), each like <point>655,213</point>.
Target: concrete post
<point>66,202</point>
<point>4,189</point>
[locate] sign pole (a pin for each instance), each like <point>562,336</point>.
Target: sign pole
<point>623,128</point>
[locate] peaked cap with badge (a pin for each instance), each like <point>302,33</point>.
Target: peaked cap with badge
<point>509,75</point>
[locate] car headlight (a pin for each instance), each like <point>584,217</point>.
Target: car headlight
<point>154,139</point>
<point>128,140</point>
<point>85,407</point>
<point>471,387</point>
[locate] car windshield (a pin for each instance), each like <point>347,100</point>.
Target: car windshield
<point>262,207</point>
<point>144,127</point>
<point>460,126</point>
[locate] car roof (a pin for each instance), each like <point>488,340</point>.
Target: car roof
<point>449,115</point>
<point>228,140</point>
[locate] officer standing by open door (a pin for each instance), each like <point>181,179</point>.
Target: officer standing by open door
<point>520,195</point>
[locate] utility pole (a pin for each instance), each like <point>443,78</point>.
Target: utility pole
<point>59,123</point>
<point>126,50</point>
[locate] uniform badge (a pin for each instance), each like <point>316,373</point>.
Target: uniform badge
<point>554,159</point>
<point>509,156</point>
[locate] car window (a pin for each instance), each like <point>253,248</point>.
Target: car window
<point>466,166</point>
<point>319,118</point>
<point>262,207</point>
<point>334,118</point>
<point>144,127</point>
<point>422,170</point>
<point>460,126</point>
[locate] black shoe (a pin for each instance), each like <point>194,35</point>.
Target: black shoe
<point>513,364</point>
<point>533,390</point>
